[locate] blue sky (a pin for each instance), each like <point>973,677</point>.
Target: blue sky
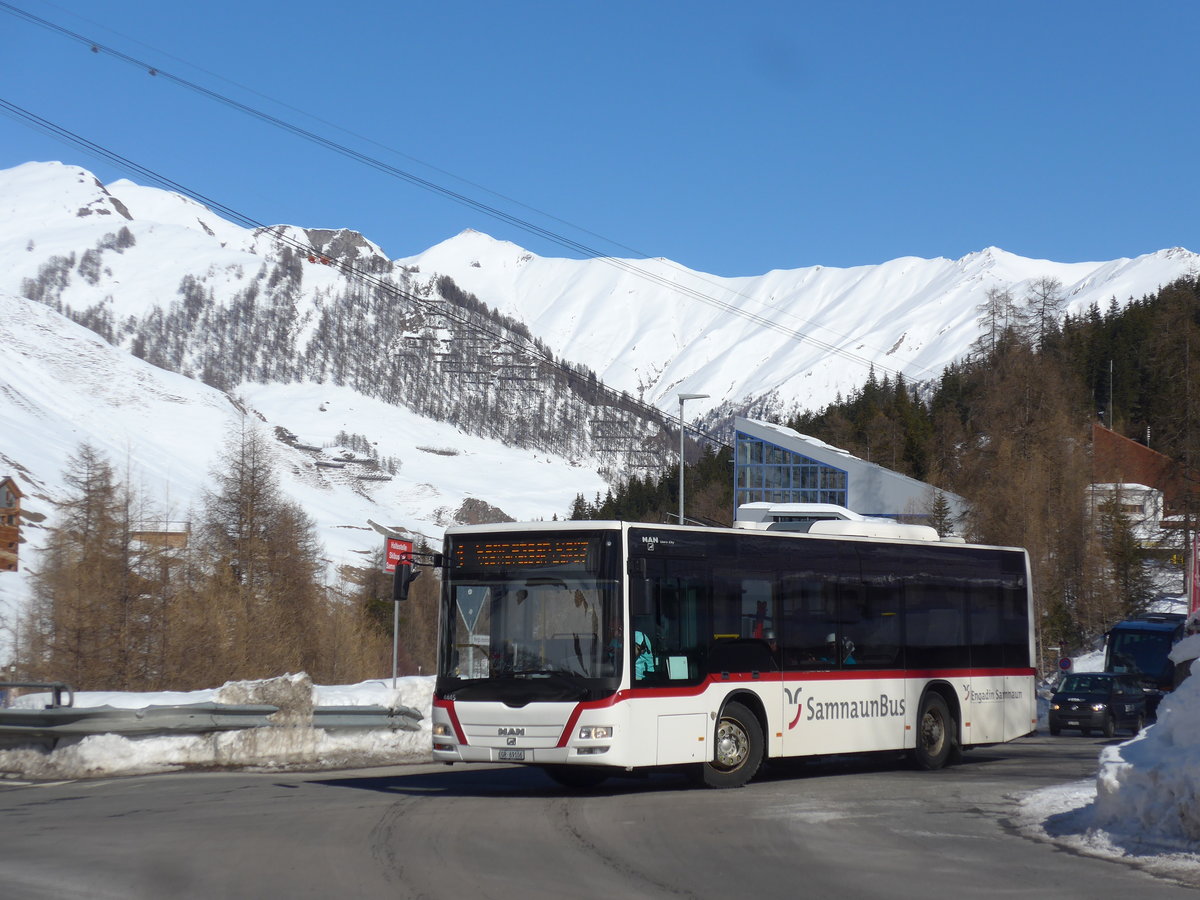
<point>732,138</point>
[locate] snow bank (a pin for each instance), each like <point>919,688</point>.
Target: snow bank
<point>1089,662</point>
<point>293,743</point>
<point>1144,804</point>
<point>1151,784</point>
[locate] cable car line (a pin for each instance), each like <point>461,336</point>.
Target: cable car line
<point>609,395</point>
<point>627,266</point>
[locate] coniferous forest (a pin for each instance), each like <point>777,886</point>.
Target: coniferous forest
<point>117,607</point>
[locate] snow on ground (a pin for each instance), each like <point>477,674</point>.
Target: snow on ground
<point>1089,662</point>
<point>274,747</point>
<point>440,467</point>
<point>1144,804</point>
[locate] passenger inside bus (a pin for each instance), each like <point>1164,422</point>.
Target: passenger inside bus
<point>832,653</point>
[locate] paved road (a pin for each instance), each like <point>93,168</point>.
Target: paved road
<point>860,829</point>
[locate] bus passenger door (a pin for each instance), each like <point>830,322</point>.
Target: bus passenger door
<point>665,651</point>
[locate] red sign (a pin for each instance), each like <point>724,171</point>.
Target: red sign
<point>399,553</point>
<point>1193,575</point>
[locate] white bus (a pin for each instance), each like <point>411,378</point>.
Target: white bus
<point>593,648</point>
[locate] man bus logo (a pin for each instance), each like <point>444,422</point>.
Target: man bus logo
<point>515,732</point>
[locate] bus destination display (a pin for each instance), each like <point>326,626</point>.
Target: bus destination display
<point>540,552</point>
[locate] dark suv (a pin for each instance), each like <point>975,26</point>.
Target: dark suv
<point>1105,701</point>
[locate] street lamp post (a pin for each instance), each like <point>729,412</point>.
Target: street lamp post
<point>682,398</point>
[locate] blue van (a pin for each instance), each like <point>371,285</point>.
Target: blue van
<point>1140,647</point>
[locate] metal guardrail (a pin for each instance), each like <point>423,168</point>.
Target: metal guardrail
<point>398,718</point>
<point>196,718</point>
<point>55,687</point>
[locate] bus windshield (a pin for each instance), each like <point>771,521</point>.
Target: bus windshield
<point>1140,652</point>
<point>544,610</point>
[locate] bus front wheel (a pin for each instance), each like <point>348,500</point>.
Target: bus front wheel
<point>935,733</point>
<point>739,749</point>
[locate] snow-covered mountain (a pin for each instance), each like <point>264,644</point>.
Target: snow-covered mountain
<point>474,373</point>
<point>800,335</point>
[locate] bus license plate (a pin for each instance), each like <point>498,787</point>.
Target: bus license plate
<point>513,755</point>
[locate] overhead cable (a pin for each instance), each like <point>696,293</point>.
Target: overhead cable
<point>492,211</point>
<point>279,233</point>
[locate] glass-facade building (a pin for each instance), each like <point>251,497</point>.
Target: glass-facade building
<point>766,472</point>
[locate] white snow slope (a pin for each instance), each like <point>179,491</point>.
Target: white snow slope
<point>61,385</point>
<point>827,326</point>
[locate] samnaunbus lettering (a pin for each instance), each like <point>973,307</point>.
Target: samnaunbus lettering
<point>883,707</point>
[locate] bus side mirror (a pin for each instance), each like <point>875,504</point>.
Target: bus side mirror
<point>405,575</point>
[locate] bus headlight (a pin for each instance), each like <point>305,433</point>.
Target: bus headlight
<point>441,729</point>
<point>595,732</point>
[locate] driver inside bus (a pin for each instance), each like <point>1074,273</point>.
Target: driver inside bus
<point>643,654</point>
<point>643,661</point>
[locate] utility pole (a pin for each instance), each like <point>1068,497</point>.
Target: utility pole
<point>682,398</point>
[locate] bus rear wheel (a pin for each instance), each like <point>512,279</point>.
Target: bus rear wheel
<point>738,753</point>
<point>935,733</point>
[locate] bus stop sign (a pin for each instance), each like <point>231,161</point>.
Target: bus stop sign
<point>399,553</point>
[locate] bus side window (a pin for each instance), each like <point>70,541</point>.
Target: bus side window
<point>935,635</point>
<point>870,617</point>
<point>807,607</point>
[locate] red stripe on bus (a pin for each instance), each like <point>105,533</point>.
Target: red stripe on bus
<point>448,706</point>
<point>842,675</point>
<point>570,726</point>
<point>587,704</point>
<point>745,678</point>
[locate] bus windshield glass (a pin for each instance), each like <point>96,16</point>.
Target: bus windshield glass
<point>1140,652</point>
<point>532,607</point>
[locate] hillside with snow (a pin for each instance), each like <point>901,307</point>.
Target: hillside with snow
<point>655,328</point>
<point>61,385</point>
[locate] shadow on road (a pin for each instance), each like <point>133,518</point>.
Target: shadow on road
<point>506,781</point>
<point>1037,757</point>
<point>530,781</point>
